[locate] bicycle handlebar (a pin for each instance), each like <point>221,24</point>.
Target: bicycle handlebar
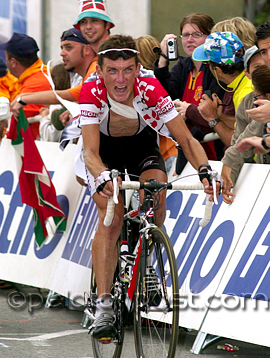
<point>135,185</point>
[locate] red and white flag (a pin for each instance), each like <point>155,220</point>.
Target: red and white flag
<point>36,187</point>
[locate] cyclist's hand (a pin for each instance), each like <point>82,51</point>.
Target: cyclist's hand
<point>104,185</point>
<point>206,175</point>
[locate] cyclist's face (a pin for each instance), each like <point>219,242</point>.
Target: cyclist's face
<point>119,77</point>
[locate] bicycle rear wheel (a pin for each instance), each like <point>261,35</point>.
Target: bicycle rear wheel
<point>156,328</point>
<point>114,348</point>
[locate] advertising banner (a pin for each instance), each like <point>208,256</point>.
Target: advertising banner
<point>223,267</point>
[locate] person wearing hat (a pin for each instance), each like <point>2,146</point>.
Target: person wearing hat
<point>7,81</point>
<point>92,25</point>
<point>223,53</point>
<point>23,63</point>
<point>94,21</point>
<point>233,160</point>
<point>78,57</point>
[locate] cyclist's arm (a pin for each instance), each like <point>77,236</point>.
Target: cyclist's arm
<point>92,159</point>
<point>192,149</point>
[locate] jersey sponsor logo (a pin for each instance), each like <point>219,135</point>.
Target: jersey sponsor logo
<point>167,108</point>
<point>89,114</point>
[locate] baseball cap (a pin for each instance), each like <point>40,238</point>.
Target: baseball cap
<point>96,9</point>
<point>249,53</point>
<point>20,45</point>
<point>219,47</point>
<point>73,35</point>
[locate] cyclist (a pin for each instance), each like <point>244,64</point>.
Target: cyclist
<point>121,116</point>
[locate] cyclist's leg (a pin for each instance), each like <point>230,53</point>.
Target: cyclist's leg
<point>104,253</point>
<point>160,175</point>
<point>104,249</point>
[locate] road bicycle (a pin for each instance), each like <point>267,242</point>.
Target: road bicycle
<point>154,313</point>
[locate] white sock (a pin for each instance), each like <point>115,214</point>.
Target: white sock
<point>104,305</point>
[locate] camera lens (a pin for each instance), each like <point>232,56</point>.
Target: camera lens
<point>170,43</point>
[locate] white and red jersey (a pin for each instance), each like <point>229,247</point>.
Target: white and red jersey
<point>152,103</point>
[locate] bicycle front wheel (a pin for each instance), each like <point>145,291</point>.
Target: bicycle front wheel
<point>156,327</point>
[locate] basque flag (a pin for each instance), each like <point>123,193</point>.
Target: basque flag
<point>36,187</point>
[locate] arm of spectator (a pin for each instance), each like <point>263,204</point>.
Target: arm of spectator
<point>262,113</point>
<point>255,142</point>
<point>227,185</point>
<point>210,109</point>
<point>43,97</point>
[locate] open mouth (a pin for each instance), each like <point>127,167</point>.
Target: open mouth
<point>120,89</point>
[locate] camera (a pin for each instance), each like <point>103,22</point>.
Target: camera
<point>172,49</point>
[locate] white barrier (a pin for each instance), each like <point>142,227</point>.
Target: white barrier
<point>217,264</point>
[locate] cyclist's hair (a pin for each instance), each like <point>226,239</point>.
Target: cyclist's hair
<point>145,46</point>
<point>117,42</point>
<point>203,21</point>
<point>25,62</point>
<point>261,79</point>
<point>241,27</point>
<point>263,32</point>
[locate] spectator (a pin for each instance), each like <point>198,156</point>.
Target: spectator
<point>7,81</point>
<point>261,112</point>
<point>50,124</point>
<point>233,160</point>
<point>188,79</point>
<point>78,57</point>
<point>23,63</point>
<point>223,52</point>
<point>260,143</point>
<point>242,28</point>
<point>147,57</point>
<point>4,116</point>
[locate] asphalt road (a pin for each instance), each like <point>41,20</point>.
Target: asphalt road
<point>29,330</point>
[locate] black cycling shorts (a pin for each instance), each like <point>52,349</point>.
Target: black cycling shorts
<point>136,153</point>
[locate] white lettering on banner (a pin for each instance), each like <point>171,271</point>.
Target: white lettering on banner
<point>78,247</point>
<point>186,224</point>
<point>252,274</point>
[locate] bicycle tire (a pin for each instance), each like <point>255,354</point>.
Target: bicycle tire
<point>150,328</point>
<point>113,349</point>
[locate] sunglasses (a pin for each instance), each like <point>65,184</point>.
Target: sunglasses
<point>70,33</point>
<point>114,54</point>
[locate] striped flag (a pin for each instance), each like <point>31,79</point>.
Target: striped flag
<point>36,187</point>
